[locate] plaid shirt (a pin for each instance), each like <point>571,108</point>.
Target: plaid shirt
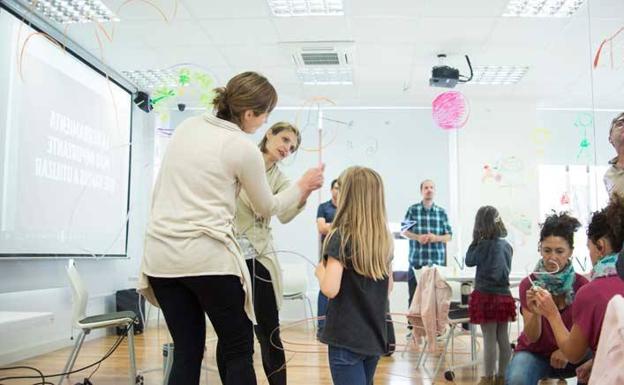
<point>434,221</point>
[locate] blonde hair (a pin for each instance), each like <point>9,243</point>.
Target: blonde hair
<point>361,221</point>
<point>244,92</point>
<point>276,129</point>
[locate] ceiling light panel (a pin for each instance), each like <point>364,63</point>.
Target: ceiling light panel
<point>498,75</point>
<point>74,11</point>
<point>153,78</point>
<point>287,8</point>
<point>542,8</point>
<point>326,75</point>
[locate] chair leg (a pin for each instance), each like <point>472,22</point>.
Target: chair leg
<point>311,310</point>
<point>408,343</point>
<point>131,355</point>
<point>305,310</point>
<point>452,346</point>
<point>423,354</point>
<point>74,354</point>
<point>168,362</point>
<point>442,356</point>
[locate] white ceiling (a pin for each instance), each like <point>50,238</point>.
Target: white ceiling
<point>396,42</point>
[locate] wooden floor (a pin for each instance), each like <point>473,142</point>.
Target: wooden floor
<point>307,361</point>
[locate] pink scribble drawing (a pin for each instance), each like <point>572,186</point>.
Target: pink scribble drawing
<point>565,199</point>
<point>602,44</point>
<point>450,110</point>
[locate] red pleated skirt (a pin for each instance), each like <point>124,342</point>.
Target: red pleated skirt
<point>484,308</point>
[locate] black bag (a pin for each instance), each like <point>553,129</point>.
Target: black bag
<point>129,300</point>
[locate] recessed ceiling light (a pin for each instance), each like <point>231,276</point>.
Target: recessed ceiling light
<point>498,75</point>
<point>153,78</point>
<point>74,11</point>
<point>342,75</point>
<point>286,8</point>
<point>542,8</point>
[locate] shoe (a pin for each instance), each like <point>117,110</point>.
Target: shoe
<point>489,380</point>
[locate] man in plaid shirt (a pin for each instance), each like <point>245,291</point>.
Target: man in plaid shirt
<point>426,226</point>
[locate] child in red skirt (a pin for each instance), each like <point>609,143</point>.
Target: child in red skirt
<point>491,304</point>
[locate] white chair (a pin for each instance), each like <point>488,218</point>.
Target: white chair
<point>457,316</point>
<point>448,271</point>
<point>80,297</point>
<point>295,284</point>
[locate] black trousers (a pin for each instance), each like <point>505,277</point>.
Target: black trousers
<point>411,284</point>
<point>267,330</point>
<point>183,302</point>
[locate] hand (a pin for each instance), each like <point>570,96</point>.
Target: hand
<point>558,360</point>
<point>423,239</point>
<point>544,304</point>
<point>531,300</point>
<point>319,272</point>
<point>584,371</point>
<point>312,179</point>
<point>432,238</point>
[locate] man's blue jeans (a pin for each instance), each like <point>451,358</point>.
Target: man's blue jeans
<point>349,368</point>
<point>527,368</point>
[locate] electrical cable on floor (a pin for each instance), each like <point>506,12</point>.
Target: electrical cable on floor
<point>43,377</point>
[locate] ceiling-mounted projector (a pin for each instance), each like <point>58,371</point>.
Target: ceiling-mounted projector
<point>447,77</point>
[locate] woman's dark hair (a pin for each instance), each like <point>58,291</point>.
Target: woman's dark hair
<point>488,225</point>
<point>244,92</point>
<point>608,223</point>
<point>560,225</point>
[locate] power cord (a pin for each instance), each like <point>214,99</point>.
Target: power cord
<point>43,377</point>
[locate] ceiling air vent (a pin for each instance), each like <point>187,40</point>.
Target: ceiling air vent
<point>327,62</point>
<point>320,58</point>
<point>321,54</point>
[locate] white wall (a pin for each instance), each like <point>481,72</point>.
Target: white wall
<point>406,147</point>
<point>402,145</point>
<point>42,286</point>
<point>518,138</point>
<point>409,148</point>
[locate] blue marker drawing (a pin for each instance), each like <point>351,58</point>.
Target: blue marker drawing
<point>406,225</point>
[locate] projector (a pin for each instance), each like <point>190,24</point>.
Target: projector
<point>448,77</point>
<point>444,76</point>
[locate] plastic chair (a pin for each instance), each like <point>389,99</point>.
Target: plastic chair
<point>80,298</point>
<point>295,284</point>
<point>456,317</point>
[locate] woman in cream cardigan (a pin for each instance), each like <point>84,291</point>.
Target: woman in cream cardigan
<point>192,264</point>
<point>254,237</point>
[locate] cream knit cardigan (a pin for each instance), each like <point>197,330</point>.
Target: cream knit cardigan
<point>190,230</point>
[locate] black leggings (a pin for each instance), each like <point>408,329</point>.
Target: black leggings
<point>267,329</point>
<point>183,302</point>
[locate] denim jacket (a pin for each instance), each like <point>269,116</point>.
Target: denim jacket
<point>492,257</point>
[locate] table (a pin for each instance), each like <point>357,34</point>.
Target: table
<point>467,281</point>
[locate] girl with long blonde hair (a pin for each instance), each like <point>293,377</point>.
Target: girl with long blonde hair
<point>355,274</point>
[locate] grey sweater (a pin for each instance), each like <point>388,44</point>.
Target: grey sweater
<point>492,257</point>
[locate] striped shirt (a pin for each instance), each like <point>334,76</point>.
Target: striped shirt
<point>433,220</point>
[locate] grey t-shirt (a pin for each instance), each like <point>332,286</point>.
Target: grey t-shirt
<point>356,317</point>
